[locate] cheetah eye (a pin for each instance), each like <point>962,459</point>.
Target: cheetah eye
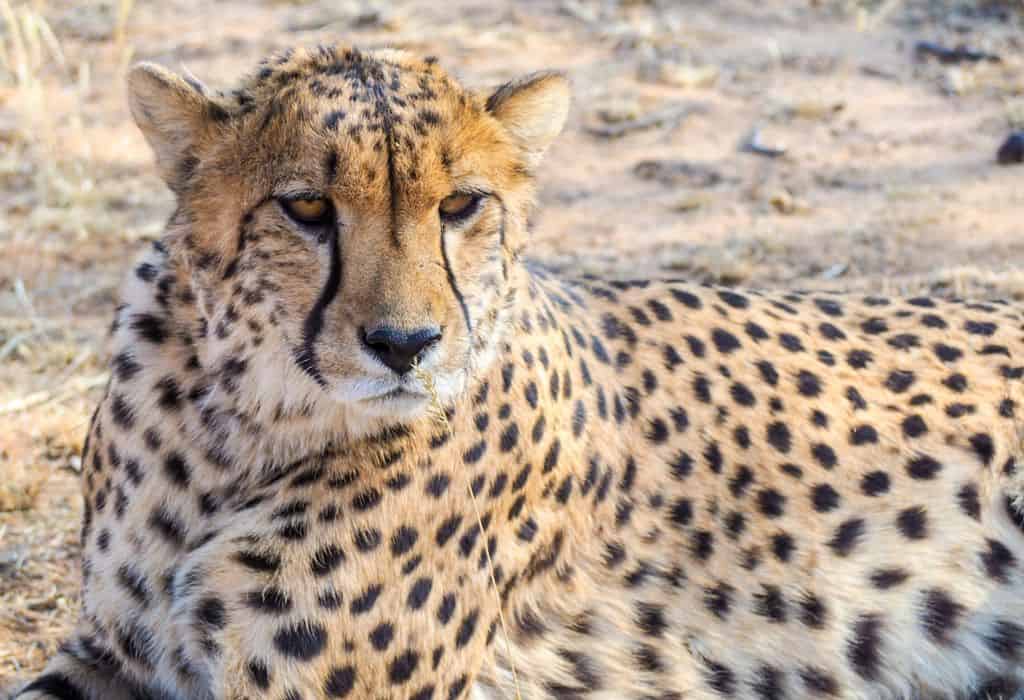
<point>459,206</point>
<point>311,211</point>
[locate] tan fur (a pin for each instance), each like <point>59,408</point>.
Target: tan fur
<point>667,491</point>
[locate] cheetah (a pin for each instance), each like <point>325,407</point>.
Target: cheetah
<point>354,445</point>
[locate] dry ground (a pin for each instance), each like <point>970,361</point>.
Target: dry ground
<point>888,180</point>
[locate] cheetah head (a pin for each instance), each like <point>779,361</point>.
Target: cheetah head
<point>349,221</point>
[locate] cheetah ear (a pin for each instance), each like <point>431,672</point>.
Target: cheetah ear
<point>172,112</point>
<point>533,110</point>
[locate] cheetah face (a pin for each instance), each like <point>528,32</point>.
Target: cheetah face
<point>363,211</point>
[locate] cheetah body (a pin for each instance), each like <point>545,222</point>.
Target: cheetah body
<point>635,489</point>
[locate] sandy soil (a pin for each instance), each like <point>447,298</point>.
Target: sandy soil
<point>888,179</point>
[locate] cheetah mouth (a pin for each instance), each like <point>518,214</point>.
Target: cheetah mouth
<point>398,393</point>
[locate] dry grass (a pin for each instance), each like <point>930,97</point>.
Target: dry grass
<point>893,190</point>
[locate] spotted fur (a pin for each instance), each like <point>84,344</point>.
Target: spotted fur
<point>654,489</point>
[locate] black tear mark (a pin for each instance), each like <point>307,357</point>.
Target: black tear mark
<point>501,239</point>
<point>331,166</point>
<point>305,356</point>
<point>453,284</point>
<point>389,139</point>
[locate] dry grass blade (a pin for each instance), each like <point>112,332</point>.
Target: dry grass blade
<point>440,416</point>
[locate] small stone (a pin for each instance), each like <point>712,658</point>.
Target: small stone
<point>1012,150</point>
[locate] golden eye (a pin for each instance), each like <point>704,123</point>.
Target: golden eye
<point>307,210</point>
<point>460,205</point>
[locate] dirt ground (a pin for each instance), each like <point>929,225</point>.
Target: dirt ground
<point>876,170</point>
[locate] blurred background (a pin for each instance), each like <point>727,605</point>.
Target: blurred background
<point>781,143</point>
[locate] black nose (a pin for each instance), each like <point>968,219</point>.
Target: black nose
<point>399,349</point>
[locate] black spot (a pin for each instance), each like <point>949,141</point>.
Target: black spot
<point>888,578</point>
<point>783,546</point>
<point>725,341</point>
<point>742,395</point>
<point>808,384</point>
<point>779,437</point>
<point>859,359</point>
<point>177,470</point>
<point>914,426</point>
<point>863,649</point>
<point>813,612</point>
<point>135,583</point>
<point>381,636</point>
<point>875,483</point>
<point>737,301</point>
<point>269,599</point>
<point>55,685</point>
<point>923,467</point>
<point>402,667</point>
<point>718,599</point>
<point>741,481</point>
<point>367,540</point>
<point>874,326</point>
<point>829,307</point>
<point>403,540</point>
<point>830,332</point>
<point>998,560</point>
<point>258,561</point>
<point>211,613</point>
<point>438,484</point>
<point>847,536</point>
<point>303,640</point>
<point>824,498</point>
<point>259,674</point>
<point>984,328</point>
<point>681,512</point>
<point>818,682</point>
<point>899,381</point>
<point>720,678</point>
<point>474,453</point>
<point>735,524</point>
<point>771,503</point>
<point>824,455</point>
<point>956,382</point>
<point>1006,639</point>
<point>150,328</point>
<point>913,523</point>
<point>755,332</point>
<point>791,342</point>
<point>702,544</point>
<point>686,298</point>
<point>696,345</point>
<point>983,447</point>
<point>768,684</point>
<point>940,615</point>
<point>446,609</point>
<point>863,435</point>
<point>967,498</point>
<point>657,431</point>
<point>340,682</point>
<point>770,604</point>
<point>768,372</point>
<point>366,600</point>
<point>122,413</point>
<point>947,353</point>
<point>713,456</point>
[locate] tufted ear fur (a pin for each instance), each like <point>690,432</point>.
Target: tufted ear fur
<point>533,110</point>
<point>172,112</point>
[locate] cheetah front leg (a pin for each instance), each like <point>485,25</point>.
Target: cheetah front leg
<point>83,669</point>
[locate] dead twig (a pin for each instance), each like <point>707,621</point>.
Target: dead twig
<point>958,54</point>
<point>672,116</point>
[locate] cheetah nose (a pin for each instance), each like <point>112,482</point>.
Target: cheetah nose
<point>398,349</point>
